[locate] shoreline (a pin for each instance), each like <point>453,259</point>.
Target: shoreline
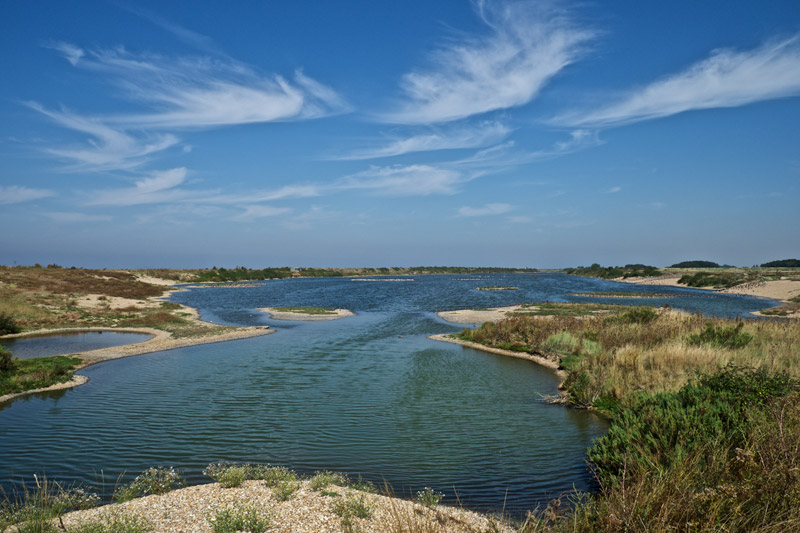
<point>306,510</point>
<point>275,314</point>
<point>781,290</point>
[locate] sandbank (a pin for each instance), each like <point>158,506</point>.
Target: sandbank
<point>780,289</point>
<point>307,511</point>
<point>478,316</point>
<point>282,314</point>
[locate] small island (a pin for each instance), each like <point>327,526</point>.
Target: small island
<point>305,313</point>
<point>498,288</point>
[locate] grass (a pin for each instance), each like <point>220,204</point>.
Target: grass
<point>27,374</point>
<point>235,519</point>
<point>307,310</point>
<point>622,294</point>
<point>566,309</point>
<point>155,480</point>
<point>608,358</point>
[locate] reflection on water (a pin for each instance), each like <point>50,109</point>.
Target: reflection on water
<point>70,342</point>
<point>369,394</point>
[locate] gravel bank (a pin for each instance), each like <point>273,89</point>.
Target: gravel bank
<point>189,510</point>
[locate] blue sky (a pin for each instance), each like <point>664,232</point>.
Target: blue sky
<point>542,134</point>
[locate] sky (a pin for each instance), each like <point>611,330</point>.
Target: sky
<point>303,133</point>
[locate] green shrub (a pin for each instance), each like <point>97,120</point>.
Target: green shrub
<point>271,475</point>
<point>285,489</point>
<point>7,363</point>
<point>351,507</point>
<point>235,519</point>
<point>322,479</point>
<point>723,337</point>
<point>636,315</point>
<point>155,480</point>
<point>227,475</point>
<point>654,432</point>
<point>428,497</point>
<point>8,325</point>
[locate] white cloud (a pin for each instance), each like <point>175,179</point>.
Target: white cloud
<point>205,92</point>
<point>411,180</point>
<point>110,148</point>
<point>15,194</point>
<point>475,136</point>
<point>253,212</point>
<point>69,218</point>
<point>613,190</point>
<point>528,44</point>
<point>728,78</point>
<point>487,210</point>
<point>160,187</point>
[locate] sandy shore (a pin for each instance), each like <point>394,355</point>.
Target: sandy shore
<point>552,364</point>
<point>478,316</point>
<point>189,509</point>
<point>782,290</point>
<point>292,315</point>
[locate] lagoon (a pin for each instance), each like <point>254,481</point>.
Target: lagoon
<point>368,394</point>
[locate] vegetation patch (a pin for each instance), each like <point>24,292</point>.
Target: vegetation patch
<point>718,280</point>
<point>723,337</point>
<point>623,294</point>
<point>498,288</point>
<point>696,264</point>
<point>627,271</point>
<point>19,375</point>
<point>155,480</point>
<point>248,518</point>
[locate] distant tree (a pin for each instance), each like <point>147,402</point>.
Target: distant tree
<point>783,263</point>
<point>695,264</point>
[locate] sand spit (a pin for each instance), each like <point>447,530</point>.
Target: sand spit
<point>478,316</point>
<point>282,314</point>
<point>307,511</point>
<point>552,364</point>
<point>160,341</point>
<point>783,289</point>
<point>381,279</point>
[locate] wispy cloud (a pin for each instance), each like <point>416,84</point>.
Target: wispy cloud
<point>159,187</point>
<point>527,44</point>
<point>110,148</point>
<point>204,92</point>
<point>463,136</point>
<point>71,218</point>
<point>253,212</point>
<point>178,94</point>
<point>15,194</point>
<point>411,180</point>
<point>487,210</point>
<point>190,37</point>
<point>728,78</point>
<point>613,190</point>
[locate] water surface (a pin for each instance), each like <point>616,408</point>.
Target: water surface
<point>68,343</point>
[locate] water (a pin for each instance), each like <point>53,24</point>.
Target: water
<point>368,394</point>
<point>68,343</point>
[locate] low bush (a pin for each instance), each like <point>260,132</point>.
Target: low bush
<point>731,337</point>
<point>246,518</point>
<point>284,490</point>
<point>323,479</point>
<point>7,363</point>
<point>8,325</point>
<point>155,480</point>
<point>428,497</point>
<point>227,475</point>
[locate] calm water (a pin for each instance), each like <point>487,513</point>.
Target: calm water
<point>368,394</point>
<point>67,343</point>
